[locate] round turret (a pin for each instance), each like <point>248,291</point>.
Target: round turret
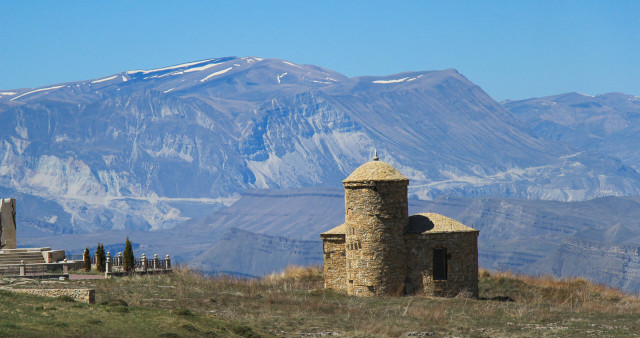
<point>375,171</point>
<point>376,211</point>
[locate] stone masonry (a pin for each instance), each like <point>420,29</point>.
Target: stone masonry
<point>8,223</point>
<point>380,250</point>
<point>81,295</point>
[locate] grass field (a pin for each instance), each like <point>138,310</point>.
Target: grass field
<point>294,303</point>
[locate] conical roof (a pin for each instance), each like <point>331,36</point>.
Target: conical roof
<point>375,171</point>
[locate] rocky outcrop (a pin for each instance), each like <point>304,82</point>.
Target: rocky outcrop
<point>606,263</point>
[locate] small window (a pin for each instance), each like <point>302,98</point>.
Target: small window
<point>440,264</point>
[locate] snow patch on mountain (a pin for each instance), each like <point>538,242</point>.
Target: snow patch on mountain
<point>199,69</point>
<point>36,91</point>
<point>251,59</point>
<point>281,76</point>
<point>407,79</point>
<point>391,81</point>
<point>216,74</point>
<point>292,64</point>
<point>183,65</point>
<point>105,79</point>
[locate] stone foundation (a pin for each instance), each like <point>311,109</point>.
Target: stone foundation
<point>81,295</point>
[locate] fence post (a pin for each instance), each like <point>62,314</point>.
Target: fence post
<point>144,262</point>
<point>168,263</point>
<point>22,268</point>
<point>155,262</point>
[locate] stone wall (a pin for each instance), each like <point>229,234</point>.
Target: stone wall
<point>81,295</point>
<point>462,263</point>
<point>334,261</point>
<point>53,256</point>
<point>375,214</point>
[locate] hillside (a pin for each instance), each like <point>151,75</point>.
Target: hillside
<point>293,303</point>
<point>150,149</point>
<point>608,124</point>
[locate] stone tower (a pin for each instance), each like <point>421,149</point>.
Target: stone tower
<point>376,211</point>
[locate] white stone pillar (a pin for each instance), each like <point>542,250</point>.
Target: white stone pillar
<point>109,264</point>
<point>144,262</point>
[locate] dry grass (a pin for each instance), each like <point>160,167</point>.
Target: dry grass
<point>569,294</point>
<point>294,273</point>
<point>294,303</point>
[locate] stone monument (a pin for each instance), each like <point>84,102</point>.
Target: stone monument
<point>8,223</point>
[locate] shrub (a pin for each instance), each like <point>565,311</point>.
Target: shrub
<point>117,302</point>
<point>128,263</point>
<point>87,260</point>
<point>67,298</point>
<point>183,312</point>
<point>101,258</point>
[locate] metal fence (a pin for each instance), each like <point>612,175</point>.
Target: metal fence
<point>116,263</point>
<point>33,269</point>
<point>154,263</point>
<point>92,258</point>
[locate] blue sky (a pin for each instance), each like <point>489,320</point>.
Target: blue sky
<point>512,49</point>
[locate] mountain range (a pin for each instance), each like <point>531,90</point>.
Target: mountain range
<point>172,149</point>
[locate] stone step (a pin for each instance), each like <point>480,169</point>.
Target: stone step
<point>32,258</point>
<point>26,254</point>
<point>19,257</point>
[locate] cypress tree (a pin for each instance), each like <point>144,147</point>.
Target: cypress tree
<point>128,263</point>
<point>101,258</point>
<point>87,260</point>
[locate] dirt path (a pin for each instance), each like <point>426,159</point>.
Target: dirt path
<point>80,277</point>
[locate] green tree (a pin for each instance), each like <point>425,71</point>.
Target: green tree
<point>87,260</point>
<point>128,263</point>
<point>101,258</point>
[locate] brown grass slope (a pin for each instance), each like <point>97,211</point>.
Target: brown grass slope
<point>294,303</point>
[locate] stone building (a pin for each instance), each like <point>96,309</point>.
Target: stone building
<point>381,250</point>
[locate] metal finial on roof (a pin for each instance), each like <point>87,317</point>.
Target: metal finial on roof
<point>375,155</point>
